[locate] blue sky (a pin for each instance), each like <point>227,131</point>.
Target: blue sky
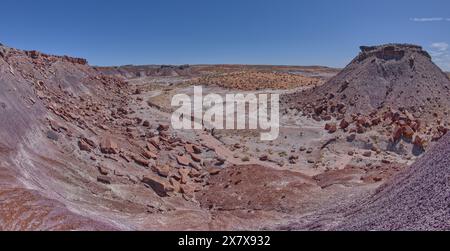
<point>287,32</point>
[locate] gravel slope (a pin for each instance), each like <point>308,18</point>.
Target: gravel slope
<point>418,199</point>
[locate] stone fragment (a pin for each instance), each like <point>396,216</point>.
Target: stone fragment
<point>84,146</point>
<point>264,158</point>
<point>141,161</point>
<point>367,154</point>
<point>196,157</point>
<point>160,186</point>
<point>102,170</point>
<point>163,127</point>
<point>344,124</point>
<point>183,160</point>
<point>214,171</point>
<point>108,146</point>
<point>184,174</point>
<point>331,127</point>
<point>149,154</point>
<point>163,171</point>
<point>104,179</point>
<point>408,132</point>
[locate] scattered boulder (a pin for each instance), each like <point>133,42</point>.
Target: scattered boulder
<point>104,179</point>
<point>155,141</point>
<point>141,161</point>
<point>331,127</point>
<point>351,137</point>
<point>362,121</point>
<point>415,125</point>
<point>108,146</point>
<point>197,149</point>
<point>163,171</point>
<point>184,174</point>
<point>84,146</point>
<point>376,121</point>
<point>377,179</point>
<point>293,159</point>
<point>397,134</point>
<point>189,148</point>
<point>52,135</point>
<point>264,158</point>
<point>360,129</point>
<point>419,142</point>
<point>90,142</point>
<point>408,132</point>
<point>214,170</point>
<point>149,154</point>
<point>194,173</point>
<point>344,124</point>
<point>152,148</point>
<point>196,157</point>
<point>163,127</point>
<point>160,186</point>
<point>188,190</point>
<point>220,161</point>
<point>367,154</point>
<point>175,184</point>
<point>442,130</point>
<point>102,170</point>
<point>385,161</point>
<point>183,160</point>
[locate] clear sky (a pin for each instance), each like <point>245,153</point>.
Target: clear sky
<point>287,32</point>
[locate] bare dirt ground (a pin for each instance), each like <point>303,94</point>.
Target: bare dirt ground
<point>337,170</point>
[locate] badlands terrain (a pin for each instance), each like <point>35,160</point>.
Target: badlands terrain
<point>91,148</point>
